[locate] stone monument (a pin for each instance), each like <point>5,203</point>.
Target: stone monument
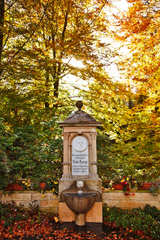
<point>80,167</point>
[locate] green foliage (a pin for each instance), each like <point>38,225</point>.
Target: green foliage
<point>37,152</point>
<point>131,126</point>
<point>107,166</point>
<point>8,213</point>
<point>137,219</point>
<point>30,152</point>
<point>153,211</point>
<point>6,140</point>
<point>30,137</point>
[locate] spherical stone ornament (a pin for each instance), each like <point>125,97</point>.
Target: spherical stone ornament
<point>79,105</point>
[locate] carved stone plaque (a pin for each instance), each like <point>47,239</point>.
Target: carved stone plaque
<point>79,156</point>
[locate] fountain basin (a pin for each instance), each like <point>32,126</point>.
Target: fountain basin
<point>80,199</point>
<point>80,202</point>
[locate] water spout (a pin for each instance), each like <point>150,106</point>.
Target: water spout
<point>80,192</point>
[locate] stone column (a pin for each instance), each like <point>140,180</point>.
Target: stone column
<point>66,162</point>
<point>93,158</point>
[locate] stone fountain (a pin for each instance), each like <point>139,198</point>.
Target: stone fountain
<point>80,198</point>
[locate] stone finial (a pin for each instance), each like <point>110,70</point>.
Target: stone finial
<point>80,117</point>
<point>79,105</point>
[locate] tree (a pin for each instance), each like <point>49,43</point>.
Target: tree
<point>40,40</point>
<point>135,125</point>
<point>43,37</point>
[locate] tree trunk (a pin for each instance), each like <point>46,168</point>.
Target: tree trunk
<point>47,90</point>
<point>1,31</point>
<point>56,88</point>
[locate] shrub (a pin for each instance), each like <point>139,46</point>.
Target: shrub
<point>30,152</point>
<point>146,220</point>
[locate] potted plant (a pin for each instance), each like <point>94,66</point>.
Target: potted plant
<point>27,183</point>
<point>14,187</point>
<point>115,183</point>
<point>117,186</point>
<point>144,180</point>
<point>125,184</point>
<point>42,185</point>
<point>14,183</point>
<point>146,186</point>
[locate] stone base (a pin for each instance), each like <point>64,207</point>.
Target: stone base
<point>80,219</point>
<point>94,215</point>
<point>89,227</point>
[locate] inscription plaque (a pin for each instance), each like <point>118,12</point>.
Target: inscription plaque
<point>79,156</point>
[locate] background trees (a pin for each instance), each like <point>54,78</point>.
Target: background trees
<point>40,42</point>
<point>130,111</point>
<point>42,38</point>
<point>140,29</point>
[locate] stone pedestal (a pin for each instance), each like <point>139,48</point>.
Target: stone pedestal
<point>80,162</point>
<point>92,179</point>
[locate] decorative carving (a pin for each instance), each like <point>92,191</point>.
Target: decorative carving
<point>79,143</point>
<point>80,117</point>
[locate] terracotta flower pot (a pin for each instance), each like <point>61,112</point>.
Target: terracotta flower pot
<point>146,186</point>
<point>14,187</point>
<point>42,185</point>
<point>118,186</point>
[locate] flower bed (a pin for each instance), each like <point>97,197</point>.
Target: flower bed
<point>18,223</point>
<point>41,184</point>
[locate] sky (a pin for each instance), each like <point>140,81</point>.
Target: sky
<point>121,5</point>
